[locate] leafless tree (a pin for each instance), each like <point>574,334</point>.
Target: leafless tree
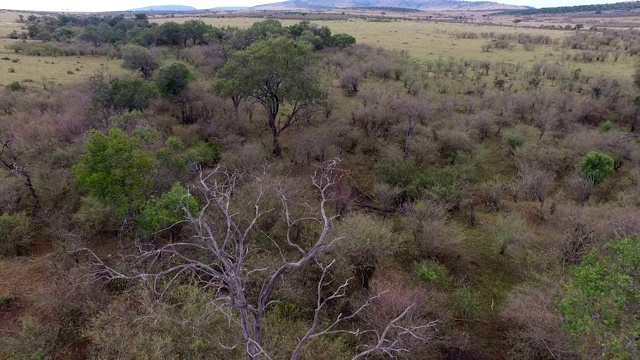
<point>9,158</point>
<point>545,121</point>
<point>350,80</point>
<point>218,257</point>
<point>536,183</point>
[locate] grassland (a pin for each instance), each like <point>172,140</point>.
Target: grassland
<point>43,69</point>
<point>48,69</point>
<point>428,41</point>
<point>422,40</point>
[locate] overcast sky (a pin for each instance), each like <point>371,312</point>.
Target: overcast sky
<point>111,5</point>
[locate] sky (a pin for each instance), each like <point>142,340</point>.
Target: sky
<point>113,5</point>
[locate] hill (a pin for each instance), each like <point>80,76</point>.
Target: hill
<point>622,6</point>
<point>406,4</point>
<point>230,8</point>
<point>165,8</point>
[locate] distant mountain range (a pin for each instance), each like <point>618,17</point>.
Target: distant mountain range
<point>406,4</point>
<point>230,8</point>
<point>166,8</point>
<point>337,4</point>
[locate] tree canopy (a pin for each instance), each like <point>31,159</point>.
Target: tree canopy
<point>274,72</point>
<point>116,170</point>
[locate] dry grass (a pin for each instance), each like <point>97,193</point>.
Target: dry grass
<point>426,40</point>
<point>8,22</point>
<point>47,69</point>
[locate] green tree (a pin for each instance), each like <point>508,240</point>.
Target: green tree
<point>138,58</point>
<point>343,40</point>
<point>97,35</point>
<point>131,94</point>
<point>275,73</point>
<point>116,170</point>
<point>172,82</point>
<point>160,213</point>
<point>195,30</point>
<point>601,301</point>
<point>596,166</point>
<point>171,34</point>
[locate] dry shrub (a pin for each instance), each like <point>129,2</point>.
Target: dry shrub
<point>137,326</point>
<point>396,296</point>
<point>12,191</point>
<point>483,121</point>
<point>453,141</point>
<point>579,188</point>
<point>367,242</point>
<point>583,228</point>
<point>386,197</point>
<point>493,192</point>
<point>250,157</point>
<point>549,156</point>
<point>434,234</point>
<point>536,183</point>
<point>535,327</point>
<point>421,148</point>
<point>584,140</point>
<point>350,80</point>
<point>314,145</point>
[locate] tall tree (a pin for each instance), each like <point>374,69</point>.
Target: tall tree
<point>275,72</point>
<point>138,58</point>
<point>172,82</point>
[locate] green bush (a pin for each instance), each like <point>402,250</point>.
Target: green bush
<point>596,166</point>
<point>514,141</point>
<point>115,170</point>
<point>15,234</point>
<point>600,302</point>
<point>431,271</point>
<point>403,174</point>
<point>160,213</point>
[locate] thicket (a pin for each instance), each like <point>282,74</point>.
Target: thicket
<point>447,209</point>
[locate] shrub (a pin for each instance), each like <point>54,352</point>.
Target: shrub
<point>466,303</point>
<point>15,86</point>
<point>160,213</point>
<point>514,141</point>
<point>403,174</point>
<point>600,301</point>
<point>430,271</point>
<point>15,234</point>
<point>115,170</point>
<point>596,166</point>
<point>367,242</point>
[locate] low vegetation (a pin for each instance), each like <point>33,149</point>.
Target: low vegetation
<point>283,191</point>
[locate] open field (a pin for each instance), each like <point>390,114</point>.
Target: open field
<point>428,41</point>
<point>43,69</point>
<point>47,69</point>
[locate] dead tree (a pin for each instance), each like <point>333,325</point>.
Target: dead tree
<point>9,158</point>
<point>222,240</point>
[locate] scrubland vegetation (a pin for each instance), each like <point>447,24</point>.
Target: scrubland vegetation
<point>290,191</point>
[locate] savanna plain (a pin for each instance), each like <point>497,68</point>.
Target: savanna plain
<point>319,185</point>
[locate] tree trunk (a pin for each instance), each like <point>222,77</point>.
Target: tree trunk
<point>236,108</point>
<point>277,150</point>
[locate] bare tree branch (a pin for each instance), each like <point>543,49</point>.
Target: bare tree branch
<point>222,240</point>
